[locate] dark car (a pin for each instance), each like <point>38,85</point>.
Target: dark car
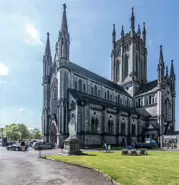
<point>43,145</point>
<point>15,147</point>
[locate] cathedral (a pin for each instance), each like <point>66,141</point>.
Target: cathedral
<point>125,109</point>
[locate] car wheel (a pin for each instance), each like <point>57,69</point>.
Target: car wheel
<point>17,149</point>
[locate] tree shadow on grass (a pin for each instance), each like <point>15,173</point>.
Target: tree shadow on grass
<point>86,154</point>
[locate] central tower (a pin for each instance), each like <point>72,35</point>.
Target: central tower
<point>129,57</point>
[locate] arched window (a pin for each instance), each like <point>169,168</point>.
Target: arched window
<point>92,91</point>
<point>118,98</point>
<point>95,90</point>
<point>105,95</point>
<point>133,129</point>
<point>92,124</point>
<point>96,125</point>
<point>98,93</point>
<point>117,70</point>
<point>75,85</point>
<point>80,84</point>
<point>109,125</point>
<point>136,65</point>
<point>150,100</point>
<point>84,88</point>
<point>126,65</point>
<point>108,95</point>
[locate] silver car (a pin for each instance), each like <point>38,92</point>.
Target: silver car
<point>43,145</point>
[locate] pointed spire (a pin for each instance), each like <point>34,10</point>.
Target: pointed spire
<point>139,31</point>
<point>47,48</point>
<point>166,71</point>
<point>64,26</point>
<point>114,36</point>
<point>122,31</point>
<point>161,55</point>
<point>144,33</point>
<point>132,21</point>
<point>172,73</point>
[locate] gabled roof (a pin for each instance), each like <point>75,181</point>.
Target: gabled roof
<point>86,73</point>
<point>147,87</point>
<point>99,101</point>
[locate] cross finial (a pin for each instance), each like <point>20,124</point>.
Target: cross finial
<point>64,6</point>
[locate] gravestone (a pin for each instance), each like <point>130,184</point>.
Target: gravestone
<point>72,143</point>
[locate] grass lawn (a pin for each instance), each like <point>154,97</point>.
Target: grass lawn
<point>157,168</point>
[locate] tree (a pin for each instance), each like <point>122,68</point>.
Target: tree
<point>16,132</point>
<point>35,134</point>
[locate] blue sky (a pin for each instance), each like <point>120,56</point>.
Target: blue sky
<point>24,24</point>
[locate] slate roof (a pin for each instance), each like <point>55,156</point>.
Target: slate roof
<point>146,87</point>
<point>84,72</point>
<point>99,101</point>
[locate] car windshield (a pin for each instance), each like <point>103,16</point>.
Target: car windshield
<point>17,144</point>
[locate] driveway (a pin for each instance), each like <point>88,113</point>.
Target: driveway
<point>25,168</point>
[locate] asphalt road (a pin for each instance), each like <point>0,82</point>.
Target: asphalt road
<point>25,168</point>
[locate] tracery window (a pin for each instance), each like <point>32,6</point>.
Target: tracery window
<point>75,85</point>
<point>133,129</point>
<point>94,124</point>
<point>107,95</point>
<point>123,127</point>
<point>110,126</point>
<point>80,85</point>
<point>84,88</point>
<point>98,93</point>
<point>95,90</point>
<point>92,91</point>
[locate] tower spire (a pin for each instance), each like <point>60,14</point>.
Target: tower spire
<point>64,37</point>
<point>64,25</point>
<point>47,48</point>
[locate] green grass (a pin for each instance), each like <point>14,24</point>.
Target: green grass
<point>157,168</point>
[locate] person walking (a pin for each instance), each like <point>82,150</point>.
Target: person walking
<point>23,146</point>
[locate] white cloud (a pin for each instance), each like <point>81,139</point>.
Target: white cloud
<point>3,69</point>
<point>31,35</point>
<point>23,111</point>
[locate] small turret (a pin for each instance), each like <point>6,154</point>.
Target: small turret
<point>166,71</point>
<point>161,67</point>
<point>144,34</point>
<point>139,31</point>
<point>122,32</point>
<point>114,37</point>
<point>132,22</point>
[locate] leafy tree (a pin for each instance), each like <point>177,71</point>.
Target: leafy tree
<point>35,134</point>
<point>16,132</point>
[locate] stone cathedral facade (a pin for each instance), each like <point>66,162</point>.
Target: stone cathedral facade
<point>122,110</point>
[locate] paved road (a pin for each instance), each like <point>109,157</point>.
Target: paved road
<point>25,168</point>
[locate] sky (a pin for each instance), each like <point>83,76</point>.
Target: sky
<point>24,24</point>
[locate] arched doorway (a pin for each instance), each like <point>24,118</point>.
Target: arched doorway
<point>53,131</point>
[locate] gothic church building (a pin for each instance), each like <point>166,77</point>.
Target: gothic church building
<point>122,110</point>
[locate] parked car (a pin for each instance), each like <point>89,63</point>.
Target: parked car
<point>16,147</point>
<point>43,145</point>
